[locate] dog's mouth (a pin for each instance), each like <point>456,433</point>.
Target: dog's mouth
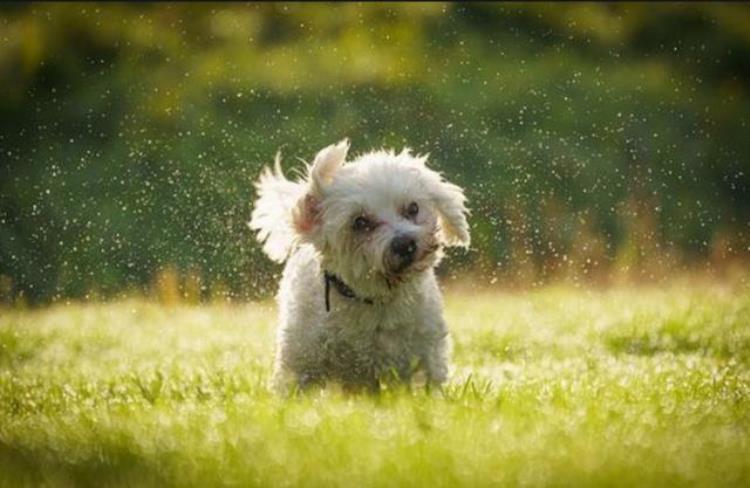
<point>398,271</point>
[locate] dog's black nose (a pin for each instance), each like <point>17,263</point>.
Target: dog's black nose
<point>404,247</point>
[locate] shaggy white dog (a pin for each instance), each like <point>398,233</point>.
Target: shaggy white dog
<point>359,303</point>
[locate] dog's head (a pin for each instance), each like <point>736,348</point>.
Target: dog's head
<point>381,219</point>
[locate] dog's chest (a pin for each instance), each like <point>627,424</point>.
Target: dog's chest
<point>376,340</point>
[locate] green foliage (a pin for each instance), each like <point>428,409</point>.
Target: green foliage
<point>626,387</point>
<point>130,134</point>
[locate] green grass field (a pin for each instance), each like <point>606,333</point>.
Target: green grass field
<point>563,387</point>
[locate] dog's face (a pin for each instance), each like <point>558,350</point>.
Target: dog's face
<point>380,220</point>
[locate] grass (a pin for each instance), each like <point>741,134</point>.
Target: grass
<point>555,387</point>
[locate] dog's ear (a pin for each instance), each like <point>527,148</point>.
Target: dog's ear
<point>307,213</point>
<point>326,162</point>
<point>276,197</point>
<point>450,202</point>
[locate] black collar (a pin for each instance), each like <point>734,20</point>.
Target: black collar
<point>342,288</point>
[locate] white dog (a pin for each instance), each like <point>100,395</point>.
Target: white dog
<point>359,303</point>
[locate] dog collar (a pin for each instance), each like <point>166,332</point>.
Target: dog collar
<point>342,288</point>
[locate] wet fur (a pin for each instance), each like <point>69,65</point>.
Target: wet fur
<point>307,224</point>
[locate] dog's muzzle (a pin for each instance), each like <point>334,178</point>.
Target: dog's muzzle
<point>401,253</point>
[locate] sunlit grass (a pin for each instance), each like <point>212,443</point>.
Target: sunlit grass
<point>560,386</point>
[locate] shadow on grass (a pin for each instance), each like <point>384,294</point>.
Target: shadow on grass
<point>111,465</point>
<point>673,338</point>
<point>16,348</point>
<point>650,344</point>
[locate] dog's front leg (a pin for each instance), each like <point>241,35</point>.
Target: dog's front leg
<point>436,361</point>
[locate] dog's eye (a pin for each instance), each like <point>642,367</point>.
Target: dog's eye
<point>412,210</point>
<point>361,223</point>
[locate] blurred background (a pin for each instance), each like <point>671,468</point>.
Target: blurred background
<point>597,143</point>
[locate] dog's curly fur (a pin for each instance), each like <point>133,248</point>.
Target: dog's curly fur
<point>383,318</point>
